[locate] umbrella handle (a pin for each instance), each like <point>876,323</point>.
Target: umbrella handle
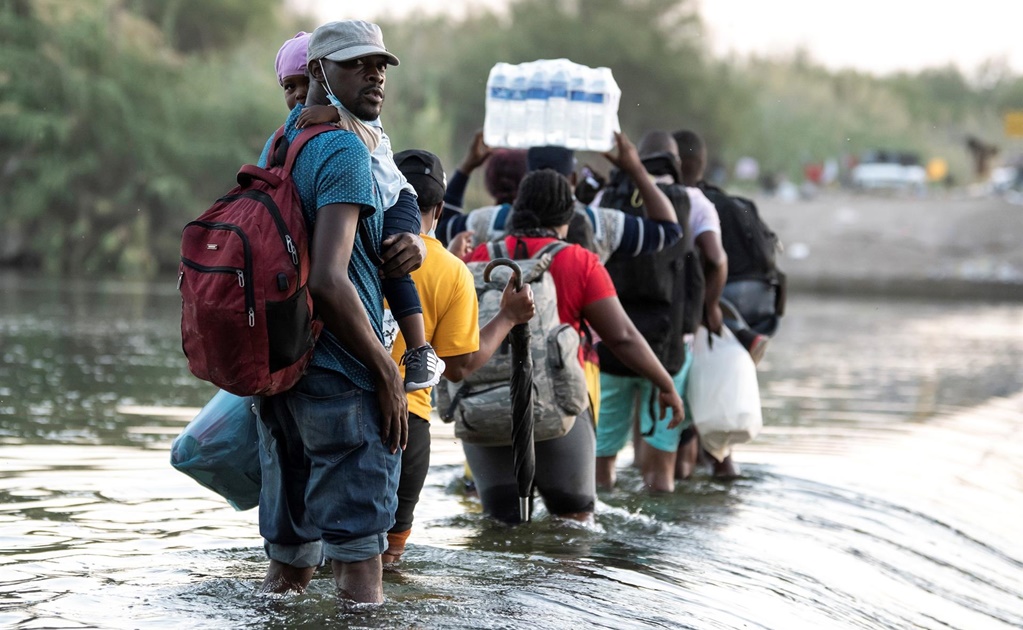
<point>504,262</point>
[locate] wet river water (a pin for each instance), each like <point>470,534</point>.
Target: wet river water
<point>886,491</point>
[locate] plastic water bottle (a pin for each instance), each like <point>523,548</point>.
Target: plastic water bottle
<point>537,93</point>
<point>596,98</point>
<point>601,120</point>
<point>615,94</point>
<point>557,104</point>
<point>495,124</point>
<point>516,135</point>
<point>578,110</point>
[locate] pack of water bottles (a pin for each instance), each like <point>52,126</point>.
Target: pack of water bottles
<point>551,102</point>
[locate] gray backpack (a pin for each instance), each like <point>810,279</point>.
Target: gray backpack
<point>480,406</point>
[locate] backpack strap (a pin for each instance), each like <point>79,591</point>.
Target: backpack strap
<point>300,140</point>
<point>293,148</point>
<point>500,218</point>
<point>551,248</point>
<point>496,249</point>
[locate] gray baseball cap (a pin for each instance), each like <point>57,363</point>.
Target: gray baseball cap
<point>347,40</point>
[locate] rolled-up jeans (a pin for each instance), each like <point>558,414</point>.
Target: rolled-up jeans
<point>329,482</point>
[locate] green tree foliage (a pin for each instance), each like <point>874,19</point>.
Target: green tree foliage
<point>109,138</point>
<point>202,25</point>
<point>802,112</point>
<point>120,120</point>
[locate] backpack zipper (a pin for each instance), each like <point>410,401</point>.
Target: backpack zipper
<point>244,274</point>
<point>275,213</point>
<point>249,298</point>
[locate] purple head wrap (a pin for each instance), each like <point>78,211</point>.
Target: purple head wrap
<point>291,57</point>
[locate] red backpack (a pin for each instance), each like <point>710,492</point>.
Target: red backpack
<point>247,321</point>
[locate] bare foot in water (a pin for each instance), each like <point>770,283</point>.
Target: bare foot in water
<point>725,470</point>
<point>392,556</point>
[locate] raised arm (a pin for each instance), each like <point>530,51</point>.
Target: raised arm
<point>475,156</point>
<point>616,330</point>
<point>658,206</point>
<point>338,304</point>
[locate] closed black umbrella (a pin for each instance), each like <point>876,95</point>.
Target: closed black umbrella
<point>523,455</point>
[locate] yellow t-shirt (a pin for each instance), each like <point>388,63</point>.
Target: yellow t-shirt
<point>450,313</point>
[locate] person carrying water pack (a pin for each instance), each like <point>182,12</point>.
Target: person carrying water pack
<point>505,168</point>
<point>652,290</point>
<point>329,446</point>
<point>450,310</point>
<point>462,232</point>
<point>601,230</point>
<point>585,295</point>
<point>422,366</point>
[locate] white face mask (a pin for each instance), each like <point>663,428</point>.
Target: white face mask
<point>433,232</point>
<point>326,84</point>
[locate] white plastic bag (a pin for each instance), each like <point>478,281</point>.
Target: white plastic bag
<point>723,393</point>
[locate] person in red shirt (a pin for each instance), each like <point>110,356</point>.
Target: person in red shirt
<point>565,466</point>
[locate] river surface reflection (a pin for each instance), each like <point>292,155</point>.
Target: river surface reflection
<point>886,491</point>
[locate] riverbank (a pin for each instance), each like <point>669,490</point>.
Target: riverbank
<point>949,246</point>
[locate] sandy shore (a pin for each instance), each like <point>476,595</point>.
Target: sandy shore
<point>953,246</point>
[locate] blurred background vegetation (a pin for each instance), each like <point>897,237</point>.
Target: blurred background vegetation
<point>120,120</point>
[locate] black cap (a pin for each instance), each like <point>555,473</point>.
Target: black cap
<point>663,163</point>
<point>426,174</point>
<point>557,159</point>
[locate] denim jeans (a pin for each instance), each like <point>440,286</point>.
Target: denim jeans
<point>329,482</point>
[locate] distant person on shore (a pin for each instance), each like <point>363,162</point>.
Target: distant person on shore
<point>423,368</point>
<point>450,310</point>
<point>983,154</point>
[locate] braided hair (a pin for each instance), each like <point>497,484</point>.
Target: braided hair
<point>544,202</point>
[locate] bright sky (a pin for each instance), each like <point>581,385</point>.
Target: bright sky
<point>873,35</point>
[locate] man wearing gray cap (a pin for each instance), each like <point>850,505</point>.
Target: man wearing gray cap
<point>330,445</point>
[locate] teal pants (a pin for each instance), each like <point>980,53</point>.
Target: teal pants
<point>622,398</point>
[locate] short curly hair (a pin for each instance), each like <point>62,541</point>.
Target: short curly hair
<point>505,170</point>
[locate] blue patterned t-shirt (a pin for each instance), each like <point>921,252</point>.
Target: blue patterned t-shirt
<point>334,167</point>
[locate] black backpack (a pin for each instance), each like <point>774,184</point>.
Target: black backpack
<point>651,287</point>
<point>750,244</point>
<point>755,284</point>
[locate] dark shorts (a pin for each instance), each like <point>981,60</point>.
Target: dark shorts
<point>329,481</point>
<point>565,473</point>
<point>415,463</point>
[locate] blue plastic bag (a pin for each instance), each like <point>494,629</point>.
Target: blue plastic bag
<point>220,449</point>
